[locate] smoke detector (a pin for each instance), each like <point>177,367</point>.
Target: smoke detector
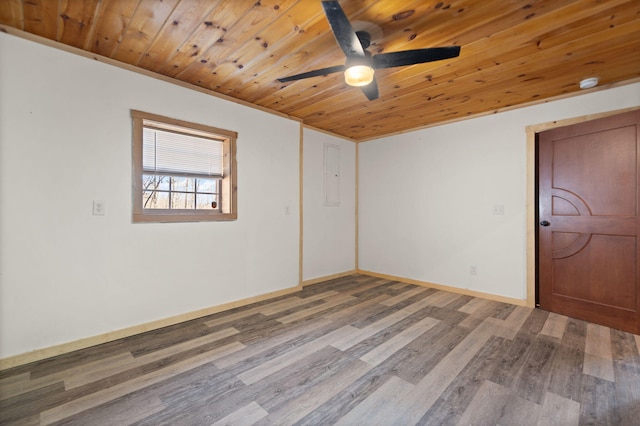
<point>588,83</point>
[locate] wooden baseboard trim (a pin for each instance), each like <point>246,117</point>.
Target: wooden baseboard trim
<point>40,354</point>
<point>327,278</point>
<point>466,292</point>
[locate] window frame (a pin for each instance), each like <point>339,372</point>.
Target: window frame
<point>228,208</point>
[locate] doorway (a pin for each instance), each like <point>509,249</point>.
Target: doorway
<point>587,222</point>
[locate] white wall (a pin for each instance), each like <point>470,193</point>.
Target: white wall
<point>328,231</point>
<point>65,140</point>
<point>426,198</point>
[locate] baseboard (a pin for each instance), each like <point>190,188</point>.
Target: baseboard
<point>327,278</point>
<point>40,354</point>
<point>466,292</point>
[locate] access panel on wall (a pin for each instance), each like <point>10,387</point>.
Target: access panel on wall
<point>331,175</point>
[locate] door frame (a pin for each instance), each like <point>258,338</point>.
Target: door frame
<point>532,205</point>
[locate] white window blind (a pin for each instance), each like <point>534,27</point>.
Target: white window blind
<point>170,152</point>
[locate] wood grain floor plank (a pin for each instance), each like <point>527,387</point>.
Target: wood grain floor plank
<point>533,377</point>
<point>354,350</point>
<point>416,401</point>
<point>22,407</point>
<point>300,378</point>
<point>300,406</point>
<point>598,366</point>
<point>199,396</point>
<point>513,322</point>
<point>404,296</point>
<point>245,416</point>
<point>453,401</point>
<point>502,310</point>
<point>557,410</point>
<point>21,383</point>
<point>626,363</point>
<point>228,318</point>
<point>268,309</point>
<point>566,372</point>
<point>555,325</point>
<point>535,321</point>
<point>92,372</point>
<point>28,421</point>
<point>598,341</point>
<point>268,343</point>
<point>118,412</point>
<point>598,405</point>
<point>479,311</point>
<point>441,413</point>
<point>283,305</point>
<point>399,286</point>
<point>385,406</point>
<point>343,402</point>
<point>474,305</point>
<point>330,302</point>
<point>413,362</point>
<point>398,341</point>
<point>497,405</point>
<point>93,400</point>
<point>598,360</point>
<point>155,340</point>
<point>359,335</point>
<point>18,378</point>
<point>512,360</point>
<point>575,334</point>
<point>442,298</point>
<point>443,374</point>
<point>356,311</point>
<point>295,354</point>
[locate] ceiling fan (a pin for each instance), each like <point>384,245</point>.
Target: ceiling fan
<point>360,66</point>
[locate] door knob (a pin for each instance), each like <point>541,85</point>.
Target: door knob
<point>545,223</point>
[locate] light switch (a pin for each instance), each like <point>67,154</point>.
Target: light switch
<point>98,208</point>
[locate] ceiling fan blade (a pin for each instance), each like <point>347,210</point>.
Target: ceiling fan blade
<point>371,90</point>
<point>411,57</point>
<point>314,73</point>
<point>342,29</point>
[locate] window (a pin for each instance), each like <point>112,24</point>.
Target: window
<point>182,172</point>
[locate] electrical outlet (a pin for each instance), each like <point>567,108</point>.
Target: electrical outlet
<point>473,270</point>
<point>98,208</point>
<point>498,209</point>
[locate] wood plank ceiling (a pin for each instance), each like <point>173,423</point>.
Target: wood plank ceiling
<point>514,52</point>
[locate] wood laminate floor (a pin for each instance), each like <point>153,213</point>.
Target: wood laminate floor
<point>352,351</point>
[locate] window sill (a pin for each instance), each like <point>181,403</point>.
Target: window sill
<point>178,217</point>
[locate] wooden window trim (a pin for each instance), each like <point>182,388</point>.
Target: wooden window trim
<point>229,187</point>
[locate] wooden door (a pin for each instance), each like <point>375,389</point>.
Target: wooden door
<point>588,245</point>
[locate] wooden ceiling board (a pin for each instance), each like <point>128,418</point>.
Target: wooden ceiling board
<point>239,23</point>
<point>262,54</point>
<point>75,21</point>
<point>210,30</point>
<point>524,57</point>
<point>150,16</point>
<point>435,69</point>
<point>11,13</point>
<point>41,18</point>
<point>110,24</point>
<point>513,52</point>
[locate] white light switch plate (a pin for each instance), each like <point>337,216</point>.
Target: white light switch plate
<point>98,208</point>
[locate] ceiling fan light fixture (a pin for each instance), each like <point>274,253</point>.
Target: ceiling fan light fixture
<point>359,75</point>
